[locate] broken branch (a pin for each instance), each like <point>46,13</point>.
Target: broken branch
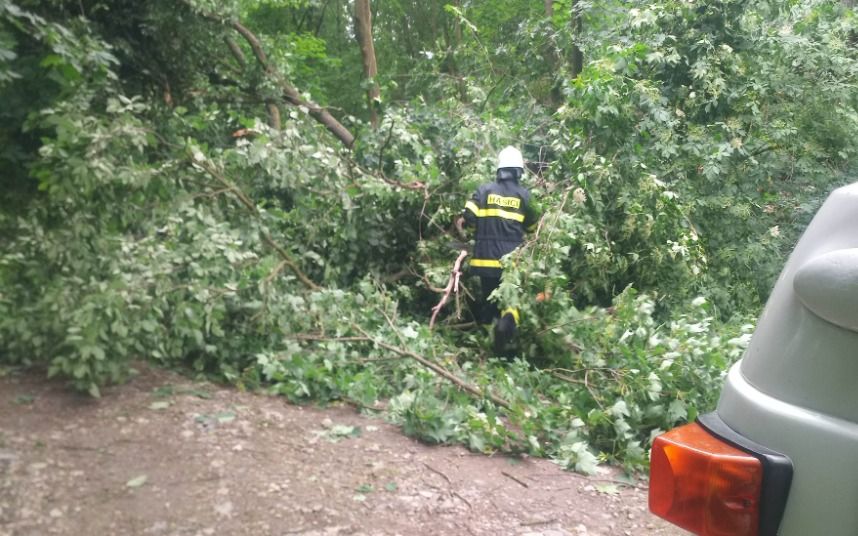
<point>290,94</point>
<point>441,371</point>
<point>452,286</point>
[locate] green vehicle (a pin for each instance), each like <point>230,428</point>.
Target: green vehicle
<point>779,456</point>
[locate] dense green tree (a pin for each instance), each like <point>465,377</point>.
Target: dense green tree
<point>200,183</point>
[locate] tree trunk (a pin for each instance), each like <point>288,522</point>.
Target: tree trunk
<point>409,37</point>
<point>577,29</point>
<point>555,57</point>
<point>363,32</point>
<point>321,18</point>
<point>454,42</point>
<point>457,24</point>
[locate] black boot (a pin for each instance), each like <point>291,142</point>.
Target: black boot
<point>504,333</point>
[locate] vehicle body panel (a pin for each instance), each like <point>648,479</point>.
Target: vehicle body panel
<point>796,355</point>
<point>795,391</point>
<point>823,450</point>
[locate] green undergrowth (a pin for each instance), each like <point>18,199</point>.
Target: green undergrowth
<point>622,378</point>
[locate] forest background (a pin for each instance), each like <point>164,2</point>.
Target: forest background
<point>263,191</point>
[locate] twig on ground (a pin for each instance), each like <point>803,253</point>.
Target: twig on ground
<point>427,466</point>
<point>464,500</point>
<point>539,522</point>
<point>579,476</point>
<point>619,483</point>
<point>354,402</point>
<point>518,481</point>
<point>100,450</point>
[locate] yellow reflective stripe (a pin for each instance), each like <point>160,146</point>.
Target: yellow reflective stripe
<point>493,212</point>
<point>514,312</point>
<point>500,213</point>
<point>485,263</point>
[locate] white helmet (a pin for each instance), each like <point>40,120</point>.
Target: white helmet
<point>510,157</point>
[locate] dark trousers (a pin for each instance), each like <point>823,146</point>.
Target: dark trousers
<point>487,310</point>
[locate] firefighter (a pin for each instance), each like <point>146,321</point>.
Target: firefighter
<point>501,211</point>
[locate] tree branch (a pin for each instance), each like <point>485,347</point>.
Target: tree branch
<point>321,18</point>
<point>439,370</point>
<point>290,94</point>
<point>273,115</point>
<point>251,206</point>
<point>273,111</point>
<point>236,51</point>
<point>452,285</point>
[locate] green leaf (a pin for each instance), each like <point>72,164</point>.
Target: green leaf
<point>51,60</point>
<point>338,431</point>
<point>23,400</point>
<point>163,391</point>
<point>677,411</point>
<point>620,409</point>
<point>608,489</point>
<point>98,352</point>
<point>137,481</point>
<point>224,417</point>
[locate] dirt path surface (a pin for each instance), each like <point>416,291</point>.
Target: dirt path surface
<point>164,455</point>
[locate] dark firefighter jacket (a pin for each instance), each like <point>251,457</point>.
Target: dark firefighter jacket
<point>501,211</point>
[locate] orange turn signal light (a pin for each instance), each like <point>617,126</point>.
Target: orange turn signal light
<point>704,485</point>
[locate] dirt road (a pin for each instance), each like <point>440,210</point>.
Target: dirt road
<point>164,455</point>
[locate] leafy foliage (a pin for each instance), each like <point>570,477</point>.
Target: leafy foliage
<point>151,211</point>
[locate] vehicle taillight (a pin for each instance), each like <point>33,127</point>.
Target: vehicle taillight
<point>705,485</point>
